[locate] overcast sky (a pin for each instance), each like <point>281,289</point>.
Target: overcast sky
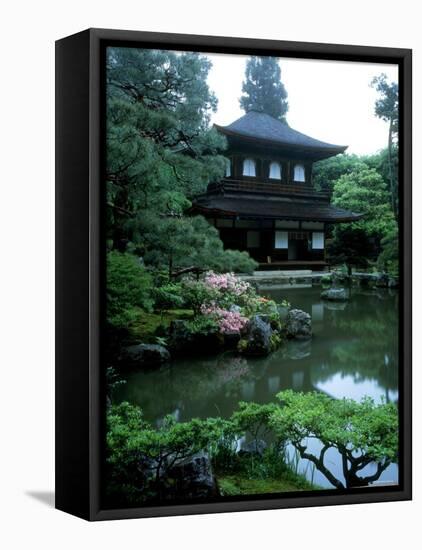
<point>328,100</point>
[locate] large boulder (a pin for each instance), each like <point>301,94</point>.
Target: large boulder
<point>140,355</point>
<point>231,339</point>
<point>298,324</point>
<point>193,478</point>
<point>184,341</point>
<point>335,295</point>
<point>257,340</point>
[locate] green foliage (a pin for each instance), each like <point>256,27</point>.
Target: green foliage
<point>129,286</point>
<point>380,162</point>
<point>362,191</point>
<point>326,279</point>
<point>140,457</point>
<point>202,325</point>
<point>387,105</point>
<point>188,241</point>
<point>242,345</point>
<point>197,293</point>
<point>387,108</point>
<point>275,341</point>
<point>326,172</point>
<point>262,89</point>
<point>253,418</point>
<point>169,296</point>
<point>236,261</point>
<point>113,381</point>
<point>160,153</point>
<point>388,260</point>
<point>361,432</point>
<point>365,192</point>
<point>241,484</point>
<point>148,326</point>
<point>350,246</point>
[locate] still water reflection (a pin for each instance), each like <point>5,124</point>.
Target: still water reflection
<point>354,352</point>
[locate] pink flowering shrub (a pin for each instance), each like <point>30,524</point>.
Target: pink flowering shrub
<point>230,289</point>
<point>226,300</point>
<point>227,321</point>
<point>227,283</point>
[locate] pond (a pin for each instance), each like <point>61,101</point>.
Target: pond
<point>354,352</point>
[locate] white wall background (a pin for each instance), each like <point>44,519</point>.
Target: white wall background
<point>27,36</point>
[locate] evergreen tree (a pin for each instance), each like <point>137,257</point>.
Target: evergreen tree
<point>161,152</point>
<point>262,88</point>
<point>363,191</point>
<point>160,149</point>
<point>387,108</point>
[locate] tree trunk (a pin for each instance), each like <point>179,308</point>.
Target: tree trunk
<point>390,168</point>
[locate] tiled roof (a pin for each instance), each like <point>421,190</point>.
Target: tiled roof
<point>270,207</point>
<point>265,127</point>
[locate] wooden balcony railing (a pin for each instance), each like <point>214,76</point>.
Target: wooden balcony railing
<point>297,189</point>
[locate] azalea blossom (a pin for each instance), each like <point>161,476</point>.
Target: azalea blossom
<point>226,282</point>
<point>227,321</point>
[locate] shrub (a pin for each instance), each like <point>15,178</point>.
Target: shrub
<point>129,286</point>
<point>238,262</point>
<point>198,293</point>
<point>361,432</point>
<point>140,457</point>
<point>169,296</point>
<point>202,325</point>
<point>227,321</point>
<point>388,260</point>
<point>227,283</point>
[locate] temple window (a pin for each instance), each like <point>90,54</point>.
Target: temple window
<point>228,168</point>
<point>318,240</point>
<point>275,171</point>
<point>249,168</point>
<point>281,239</point>
<point>299,172</point>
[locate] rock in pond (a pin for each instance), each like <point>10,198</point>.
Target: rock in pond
<point>184,341</point>
<point>257,340</point>
<point>145,355</point>
<point>298,324</point>
<point>231,339</point>
<point>335,294</point>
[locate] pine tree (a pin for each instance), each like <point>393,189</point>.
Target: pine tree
<point>262,88</point>
<point>387,109</point>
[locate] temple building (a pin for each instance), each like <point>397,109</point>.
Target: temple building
<point>266,204</point>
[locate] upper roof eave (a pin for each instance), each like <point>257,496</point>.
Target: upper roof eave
<point>320,151</point>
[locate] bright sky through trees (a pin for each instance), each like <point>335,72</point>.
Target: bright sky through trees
<point>328,100</point>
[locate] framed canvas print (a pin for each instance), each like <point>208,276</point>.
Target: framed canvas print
<point>233,274</point>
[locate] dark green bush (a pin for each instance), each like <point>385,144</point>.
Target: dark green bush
<point>169,296</point>
<point>388,260</point>
<point>129,287</point>
<point>197,293</point>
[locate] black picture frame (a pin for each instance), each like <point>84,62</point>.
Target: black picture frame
<point>80,265</point>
